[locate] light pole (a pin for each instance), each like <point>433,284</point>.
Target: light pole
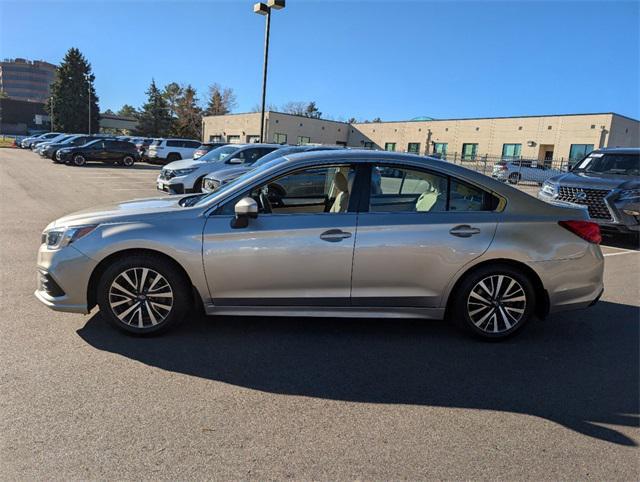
<point>87,77</point>
<point>265,9</point>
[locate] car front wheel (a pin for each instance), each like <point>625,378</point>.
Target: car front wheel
<point>494,302</point>
<point>143,295</point>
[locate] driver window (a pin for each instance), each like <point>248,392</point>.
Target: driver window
<point>315,190</point>
<point>406,190</point>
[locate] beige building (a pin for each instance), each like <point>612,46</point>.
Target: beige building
<point>531,137</point>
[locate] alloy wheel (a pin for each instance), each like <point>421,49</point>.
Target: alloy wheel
<point>141,297</point>
<point>496,303</point>
<point>127,161</point>
<point>79,160</point>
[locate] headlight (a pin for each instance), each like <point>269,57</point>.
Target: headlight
<point>549,188</point>
<point>57,238</point>
<point>629,194</point>
<point>184,172</point>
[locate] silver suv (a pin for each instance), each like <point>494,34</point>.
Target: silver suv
<point>186,176</point>
<point>374,234</point>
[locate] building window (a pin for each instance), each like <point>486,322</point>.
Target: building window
<point>368,145</point>
<point>593,126</point>
<point>413,147</point>
<point>511,151</point>
<point>390,146</point>
<point>217,138</point>
<point>469,151</point>
<point>519,128</point>
<point>233,139</point>
<point>578,151</point>
<point>279,138</point>
<point>304,140</point>
<point>549,128</point>
<point>440,149</point>
<point>251,139</point>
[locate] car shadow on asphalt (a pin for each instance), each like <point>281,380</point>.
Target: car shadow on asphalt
<point>136,167</point>
<point>579,369</point>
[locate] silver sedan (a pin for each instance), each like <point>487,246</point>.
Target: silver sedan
<point>335,233</point>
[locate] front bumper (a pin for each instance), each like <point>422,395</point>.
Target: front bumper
<point>621,221</point>
<point>70,271</point>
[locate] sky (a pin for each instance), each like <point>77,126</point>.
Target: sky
<point>364,59</point>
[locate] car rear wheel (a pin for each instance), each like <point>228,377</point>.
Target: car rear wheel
<point>514,178</point>
<point>143,295</point>
<point>494,302</point>
<point>127,161</point>
<point>79,160</point>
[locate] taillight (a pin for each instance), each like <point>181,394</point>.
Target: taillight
<point>587,230</point>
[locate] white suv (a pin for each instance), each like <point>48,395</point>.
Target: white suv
<point>163,151</point>
<point>186,176</point>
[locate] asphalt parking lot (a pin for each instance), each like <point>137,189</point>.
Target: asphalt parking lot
<point>267,398</point>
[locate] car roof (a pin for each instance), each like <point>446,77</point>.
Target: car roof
<point>619,150</point>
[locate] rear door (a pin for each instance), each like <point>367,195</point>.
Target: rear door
<point>417,230</point>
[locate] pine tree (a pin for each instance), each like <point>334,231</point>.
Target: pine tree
<point>172,93</point>
<point>188,122</point>
<point>221,100</point>
<point>312,111</point>
<point>128,111</point>
<point>154,119</point>
<point>73,96</point>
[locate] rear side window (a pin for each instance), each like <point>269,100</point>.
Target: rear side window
<point>412,190</point>
<point>191,144</point>
<point>174,143</point>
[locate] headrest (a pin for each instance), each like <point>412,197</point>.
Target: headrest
<point>341,182</point>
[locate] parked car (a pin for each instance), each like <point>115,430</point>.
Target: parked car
<point>206,147</point>
<point>515,171</point>
<point>142,144</point>
<point>186,176</point>
<point>27,142</point>
<point>214,180</point>
<point>110,151</point>
<point>51,149</point>
<point>37,142</point>
<point>163,151</point>
<point>440,241</point>
<point>607,183</point>
<point>41,146</point>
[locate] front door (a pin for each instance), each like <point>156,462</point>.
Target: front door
<point>420,229</point>
<point>298,251</point>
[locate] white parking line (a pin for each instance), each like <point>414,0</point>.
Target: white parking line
<point>629,251</point>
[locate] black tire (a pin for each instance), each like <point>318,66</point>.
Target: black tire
<point>514,178</point>
<point>109,295</point>
<point>128,161</point>
<point>468,312</point>
<point>173,157</point>
<point>55,159</point>
<point>197,186</point>
<point>79,160</point>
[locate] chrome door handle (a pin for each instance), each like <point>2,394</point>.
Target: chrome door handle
<point>334,235</point>
<point>464,231</point>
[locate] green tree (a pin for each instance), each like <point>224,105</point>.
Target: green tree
<point>128,111</point>
<point>154,119</point>
<point>352,120</point>
<point>172,93</point>
<point>221,100</point>
<point>73,96</point>
<point>188,122</point>
<point>312,111</point>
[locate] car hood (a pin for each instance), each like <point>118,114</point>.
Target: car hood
<point>229,173</point>
<point>183,164</point>
<point>593,180</point>
<point>123,211</point>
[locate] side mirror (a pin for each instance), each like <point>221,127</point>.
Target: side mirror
<point>245,209</point>
<point>236,160</point>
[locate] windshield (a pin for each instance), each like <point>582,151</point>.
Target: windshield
<point>156,142</point>
<point>91,142</point>
<point>232,184</point>
<point>621,164</point>
<point>219,153</point>
<point>63,139</point>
